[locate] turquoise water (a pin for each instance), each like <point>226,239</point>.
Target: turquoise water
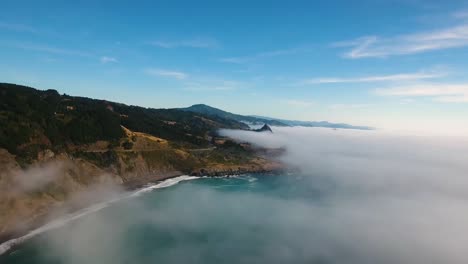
<point>245,219</point>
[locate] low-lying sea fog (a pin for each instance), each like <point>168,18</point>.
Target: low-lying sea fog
<point>355,197</point>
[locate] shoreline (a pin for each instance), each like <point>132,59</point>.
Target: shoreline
<point>10,242</point>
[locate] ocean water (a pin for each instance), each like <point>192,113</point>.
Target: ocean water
<point>242,219</point>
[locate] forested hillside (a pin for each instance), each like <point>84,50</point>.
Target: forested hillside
<point>32,119</point>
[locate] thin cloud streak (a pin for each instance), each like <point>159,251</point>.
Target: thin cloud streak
<point>268,54</point>
<point>447,93</point>
<point>298,103</point>
<point>191,43</point>
<point>106,59</point>
<point>60,51</point>
<point>213,85</point>
<point>348,106</point>
<point>378,78</point>
<point>208,89</point>
<point>166,73</point>
<point>377,47</point>
<point>50,49</point>
<point>461,14</point>
<point>17,27</point>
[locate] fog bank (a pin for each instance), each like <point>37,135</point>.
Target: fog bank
<point>372,161</point>
<point>389,198</point>
<point>363,197</point>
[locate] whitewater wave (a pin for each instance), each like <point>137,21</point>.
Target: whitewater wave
<point>163,184</point>
<point>6,246</point>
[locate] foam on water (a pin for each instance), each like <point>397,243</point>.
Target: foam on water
<point>6,246</point>
<point>163,184</point>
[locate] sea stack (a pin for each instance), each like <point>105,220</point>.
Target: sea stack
<point>265,128</point>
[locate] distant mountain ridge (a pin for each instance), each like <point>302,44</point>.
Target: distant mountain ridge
<point>317,124</point>
<point>261,120</point>
<point>212,111</point>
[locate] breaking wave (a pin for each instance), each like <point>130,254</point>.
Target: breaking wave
<point>6,246</point>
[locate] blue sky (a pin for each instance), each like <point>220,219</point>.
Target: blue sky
<point>390,64</point>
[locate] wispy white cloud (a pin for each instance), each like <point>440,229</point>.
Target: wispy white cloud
<point>166,73</point>
<point>348,106</point>
<point>105,59</point>
<point>461,14</point>
<point>49,49</point>
<point>268,54</point>
<point>189,43</point>
<point>237,60</point>
<point>378,78</point>
<point>378,47</point>
<point>298,103</point>
<point>208,88</point>
<point>405,101</point>
<point>449,93</point>
<point>49,59</point>
<point>45,48</point>
<point>453,99</point>
<point>206,85</point>
<point>18,27</point>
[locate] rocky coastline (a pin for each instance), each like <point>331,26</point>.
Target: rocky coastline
<point>273,167</point>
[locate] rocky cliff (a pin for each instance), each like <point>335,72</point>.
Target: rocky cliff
<point>28,195</point>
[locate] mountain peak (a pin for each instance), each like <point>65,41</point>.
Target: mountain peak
<point>208,110</point>
<point>200,105</point>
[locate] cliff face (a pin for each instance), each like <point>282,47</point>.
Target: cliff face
<point>28,195</point>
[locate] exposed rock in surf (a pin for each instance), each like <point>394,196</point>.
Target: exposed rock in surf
<point>265,128</point>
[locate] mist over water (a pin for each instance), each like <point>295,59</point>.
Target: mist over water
<point>389,198</point>
<point>356,197</point>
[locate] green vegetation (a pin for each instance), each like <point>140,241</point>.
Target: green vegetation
<point>101,159</point>
<point>172,124</point>
<point>45,118</point>
<point>31,120</point>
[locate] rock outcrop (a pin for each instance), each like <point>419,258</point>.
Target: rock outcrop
<point>264,128</point>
